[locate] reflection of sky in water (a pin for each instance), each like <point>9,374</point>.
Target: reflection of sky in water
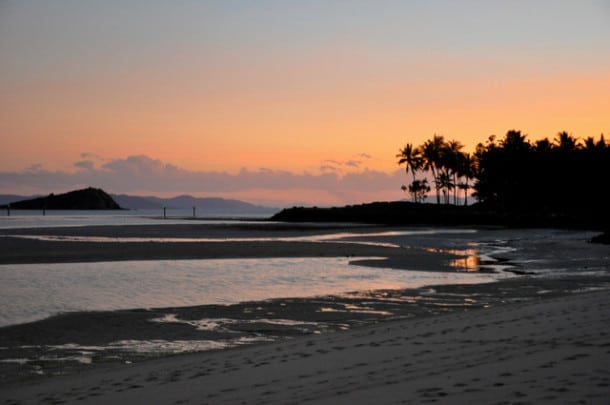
<point>84,354</point>
<point>323,237</point>
<point>477,257</point>
<point>70,218</point>
<point>35,291</point>
<point>467,260</point>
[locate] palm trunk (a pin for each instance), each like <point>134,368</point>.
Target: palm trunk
<point>436,186</point>
<point>454,187</point>
<point>414,194</point>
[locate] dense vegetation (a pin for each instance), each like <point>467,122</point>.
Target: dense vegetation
<point>559,183</point>
<point>565,176</point>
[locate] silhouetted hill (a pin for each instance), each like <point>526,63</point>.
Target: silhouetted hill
<point>11,198</point>
<point>136,203</point>
<point>204,204</point>
<point>85,199</point>
<point>215,205</point>
<point>408,213</point>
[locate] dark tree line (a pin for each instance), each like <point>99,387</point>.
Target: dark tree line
<point>451,169</point>
<point>565,175</point>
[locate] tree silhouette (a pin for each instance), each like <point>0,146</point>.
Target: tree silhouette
<point>419,189</point>
<point>518,177</point>
<point>512,175</point>
<point>566,142</point>
<point>451,155</point>
<point>412,159</point>
<point>466,170</point>
<point>432,151</point>
<point>446,163</point>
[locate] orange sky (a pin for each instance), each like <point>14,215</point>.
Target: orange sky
<point>292,133</point>
<point>288,87</point>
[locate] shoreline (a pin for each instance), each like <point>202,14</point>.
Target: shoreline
<point>205,241</point>
<point>295,325</point>
<point>542,351</point>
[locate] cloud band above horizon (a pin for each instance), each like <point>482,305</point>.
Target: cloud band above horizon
<point>143,175</point>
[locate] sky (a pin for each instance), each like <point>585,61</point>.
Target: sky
<point>283,102</point>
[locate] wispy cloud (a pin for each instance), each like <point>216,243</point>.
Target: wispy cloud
<point>337,182</point>
<point>341,166</point>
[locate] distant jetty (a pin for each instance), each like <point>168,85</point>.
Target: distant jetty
<point>86,199</point>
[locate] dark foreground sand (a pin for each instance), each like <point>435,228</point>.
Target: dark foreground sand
<point>551,351</point>
<point>524,340</point>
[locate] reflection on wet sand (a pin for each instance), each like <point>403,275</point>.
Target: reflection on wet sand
<point>478,257</point>
<point>468,261</point>
<point>492,259</point>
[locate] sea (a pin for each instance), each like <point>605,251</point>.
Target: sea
<point>30,292</point>
<point>61,218</point>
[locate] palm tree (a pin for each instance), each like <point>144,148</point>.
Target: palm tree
<point>446,184</point>
<point>411,157</point>
<point>514,141</point>
<point>543,145</point>
<point>591,144</point>
<point>452,152</point>
<point>566,142</point>
<point>419,189</point>
<point>466,169</point>
<point>431,153</point>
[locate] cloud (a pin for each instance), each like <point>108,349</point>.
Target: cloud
<point>339,165</point>
<point>328,168</point>
<point>143,175</point>
<point>34,168</point>
<point>85,164</point>
<point>90,156</point>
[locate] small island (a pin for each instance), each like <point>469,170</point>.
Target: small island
<point>86,199</point>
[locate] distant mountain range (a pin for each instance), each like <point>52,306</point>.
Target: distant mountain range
<point>204,204</point>
<point>215,205</point>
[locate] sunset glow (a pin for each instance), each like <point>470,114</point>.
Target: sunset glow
<point>289,92</point>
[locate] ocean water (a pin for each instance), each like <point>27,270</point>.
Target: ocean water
<point>32,292</point>
<point>61,218</point>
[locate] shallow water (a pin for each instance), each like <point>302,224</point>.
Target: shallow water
<point>63,218</point>
<point>549,262</point>
<point>35,291</point>
<point>31,292</point>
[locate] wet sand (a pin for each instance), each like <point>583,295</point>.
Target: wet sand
<point>282,240</point>
<point>523,340</point>
<point>547,351</point>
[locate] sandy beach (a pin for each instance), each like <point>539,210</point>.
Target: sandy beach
<point>526,339</point>
<point>550,351</point>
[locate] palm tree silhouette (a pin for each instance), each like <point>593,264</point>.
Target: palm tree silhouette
<point>466,169</point>
<point>451,160</point>
<point>419,189</point>
<point>566,142</point>
<point>513,176</point>
<point>411,158</point>
<point>432,152</point>
<point>446,184</point>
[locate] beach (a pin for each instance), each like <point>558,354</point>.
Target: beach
<point>553,351</point>
<point>539,334</point>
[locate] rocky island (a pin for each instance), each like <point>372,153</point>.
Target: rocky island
<point>86,199</point>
